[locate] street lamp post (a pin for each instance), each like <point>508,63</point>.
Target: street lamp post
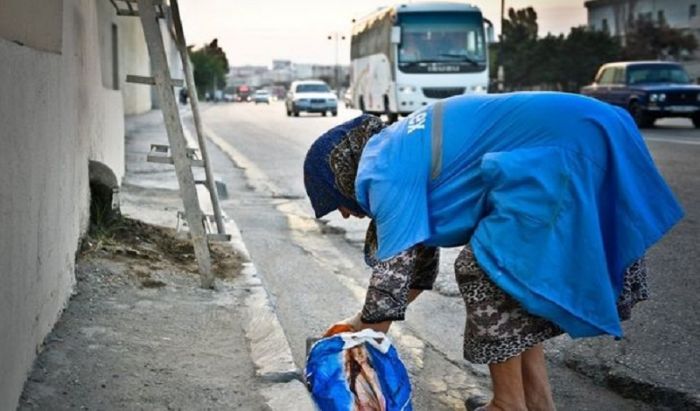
<point>336,37</point>
<point>500,73</point>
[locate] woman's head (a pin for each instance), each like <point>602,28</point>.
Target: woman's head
<point>331,165</point>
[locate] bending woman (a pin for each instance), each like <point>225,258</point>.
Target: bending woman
<point>554,198</point>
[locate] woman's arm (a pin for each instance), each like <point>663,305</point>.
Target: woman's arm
<point>357,323</point>
<point>394,284</point>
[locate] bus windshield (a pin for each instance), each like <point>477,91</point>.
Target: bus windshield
<point>442,38</point>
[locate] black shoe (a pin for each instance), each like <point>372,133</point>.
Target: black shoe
<point>474,402</point>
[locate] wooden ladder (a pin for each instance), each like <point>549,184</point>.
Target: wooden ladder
<point>177,153</point>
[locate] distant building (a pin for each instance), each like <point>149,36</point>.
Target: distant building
<point>281,65</point>
<point>614,16</point>
<point>303,71</point>
<point>240,75</point>
<point>283,72</point>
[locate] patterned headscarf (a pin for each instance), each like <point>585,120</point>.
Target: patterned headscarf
<point>331,164</point>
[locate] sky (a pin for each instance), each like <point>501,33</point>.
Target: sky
<point>258,31</point>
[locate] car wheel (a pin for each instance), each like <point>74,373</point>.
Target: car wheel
<point>335,113</point>
<point>642,119</point>
<point>362,104</point>
<point>296,114</point>
<point>696,120</point>
<point>289,113</point>
<point>324,114</point>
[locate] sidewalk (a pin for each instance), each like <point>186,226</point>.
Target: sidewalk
<point>139,333</point>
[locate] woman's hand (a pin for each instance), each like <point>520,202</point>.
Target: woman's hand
<point>355,323</point>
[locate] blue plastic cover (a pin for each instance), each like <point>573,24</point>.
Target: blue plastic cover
<point>557,193</point>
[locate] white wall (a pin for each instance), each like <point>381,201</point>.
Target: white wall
<point>56,115</point>
<point>133,59</point>
<point>44,34</point>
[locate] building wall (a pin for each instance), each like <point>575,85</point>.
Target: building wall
<point>44,35</point>
<point>675,13</point>
<point>57,115</point>
<point>133,59</point>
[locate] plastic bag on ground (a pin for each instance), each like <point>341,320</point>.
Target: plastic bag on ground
<point>358,371</point>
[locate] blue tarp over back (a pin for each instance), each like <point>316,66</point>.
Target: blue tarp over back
<point>557,193</point>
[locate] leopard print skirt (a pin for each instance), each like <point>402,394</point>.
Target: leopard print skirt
<point>498,328</point>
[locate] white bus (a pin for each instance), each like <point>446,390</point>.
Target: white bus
<point>406,56</point>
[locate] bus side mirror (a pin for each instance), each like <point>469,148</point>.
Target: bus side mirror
<point>490,38</point>
<point>395,34</point>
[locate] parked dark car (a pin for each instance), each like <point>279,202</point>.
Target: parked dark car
<point>648,89</point>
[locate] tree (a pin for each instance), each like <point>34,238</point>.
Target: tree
<point>210,67</point>
<point>518,46</point>
<point>584,51</point>
<point>549,68</point>
<point>521,25</point>
<point>554,62</point>
<point>648,41</point>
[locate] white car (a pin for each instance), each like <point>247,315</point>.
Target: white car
<point>261,96</point>
<point>311,96</point>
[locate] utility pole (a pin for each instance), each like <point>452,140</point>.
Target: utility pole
<point>336,37</point>
<point>501,74</point>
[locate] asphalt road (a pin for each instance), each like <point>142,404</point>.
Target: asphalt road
<point>316,274</point>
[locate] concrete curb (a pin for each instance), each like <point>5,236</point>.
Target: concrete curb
<point>267,342</point>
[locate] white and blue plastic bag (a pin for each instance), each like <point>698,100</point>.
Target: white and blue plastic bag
<point>358,371</point>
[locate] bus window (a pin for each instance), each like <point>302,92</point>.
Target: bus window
<point>441,37</point>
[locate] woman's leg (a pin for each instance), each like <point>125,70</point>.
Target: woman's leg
<point>481,298</point>
<point>538,393</point>
<point>508,389</point>
<point>500,333</point>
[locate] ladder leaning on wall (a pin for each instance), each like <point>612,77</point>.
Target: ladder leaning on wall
<point>177,153</point>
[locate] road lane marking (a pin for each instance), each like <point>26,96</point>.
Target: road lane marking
<point>673,140</point>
